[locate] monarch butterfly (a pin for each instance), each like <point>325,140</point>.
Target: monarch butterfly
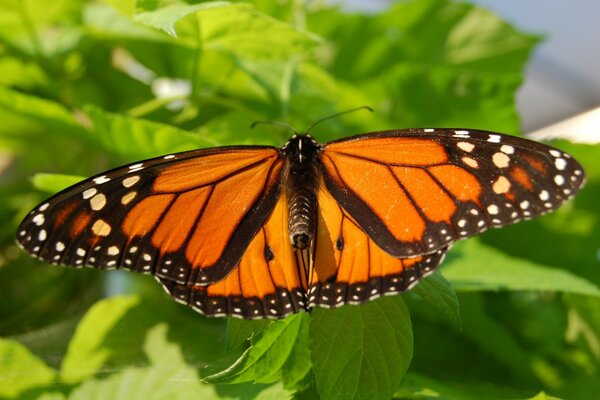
<point>261,232</point>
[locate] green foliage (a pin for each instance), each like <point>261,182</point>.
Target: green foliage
<point>89,85</point>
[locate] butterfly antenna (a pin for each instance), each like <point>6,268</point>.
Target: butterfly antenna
<point>274,123</point>
<point>338,114</point>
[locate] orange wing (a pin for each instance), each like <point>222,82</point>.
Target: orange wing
<point>266,283</point>
<point>185,217</point>
<point>418,190</point>
<point>349,268</point>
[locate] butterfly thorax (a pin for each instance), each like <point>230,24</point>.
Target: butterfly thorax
<point>301,180</point>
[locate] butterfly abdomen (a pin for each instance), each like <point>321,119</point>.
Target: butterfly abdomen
<point>302,211</point>
<point>301,182</point>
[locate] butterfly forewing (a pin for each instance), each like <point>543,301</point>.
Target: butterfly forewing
<point>415,191</point>
<point>186,217</point>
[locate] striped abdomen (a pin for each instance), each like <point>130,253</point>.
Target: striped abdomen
<point>302,208</point>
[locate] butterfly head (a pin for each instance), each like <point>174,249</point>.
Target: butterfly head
<point>301,149</point>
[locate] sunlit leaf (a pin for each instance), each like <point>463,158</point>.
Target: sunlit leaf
<point>20,370</point>
<point>479,267</point>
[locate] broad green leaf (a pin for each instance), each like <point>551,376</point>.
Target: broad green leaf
<point>165,18</point>
<point>86,355</point>
<point>478,267</point>
<point>168,376</point>
<point>21,371</point>
<point>438,292</point>
<point>241,330</point>
<point>23,74</point>
<point>236,28</point>
<point>443,97</point>
<point>361,352</point>
<point>135,139</point>
<point>104,21</point>
<point>296,372</point>
<point>54,183</point>
<point>53,115</point>
<point>427,33</point>
<point>262,362</point>
<point>26,24</point>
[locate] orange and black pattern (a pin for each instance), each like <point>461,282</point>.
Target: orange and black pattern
<point>213,225</point>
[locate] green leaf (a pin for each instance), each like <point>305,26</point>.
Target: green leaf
<point>135,139</point>
<point>103,21</point>
<point>54,183</point>
<point>361,352</point>
<point>26,24</point>
<point>438,292</point>
<point>168,377</point>
<point>86,353</point>
<point>585,321</point>
<point>262,362</point>
<point>234,28</point>
<point>427,33</point>
<point>165,18</point>
<point>474,266</point>
<point>51,114</point>
<point>241,330</point>
<point>443,97</point>
<point>296,372</point>
<point>20,370</point>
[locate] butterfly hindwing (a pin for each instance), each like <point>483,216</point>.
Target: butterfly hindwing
<point>265,284</point>
<point>418,190</point>
<point>185,217</point>
<point>349,268</point>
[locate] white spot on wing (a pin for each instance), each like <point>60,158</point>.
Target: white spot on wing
<point>494,139</point>
<point>470,162</point>
<point>507,149</point>
<point>98,202</point>
<point>128,197</point>
<point>101,179</point>
<point>38,219</point>
<point>89,193</point>
<point>465,146</point>
<point>101,228</point>
<point>130,181</point>
<point>493,209</point>
<point>502,185</point>
<point>555,153</point>
<point>500,160</point>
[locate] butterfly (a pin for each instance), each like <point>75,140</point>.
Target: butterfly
<point>262,232</point>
